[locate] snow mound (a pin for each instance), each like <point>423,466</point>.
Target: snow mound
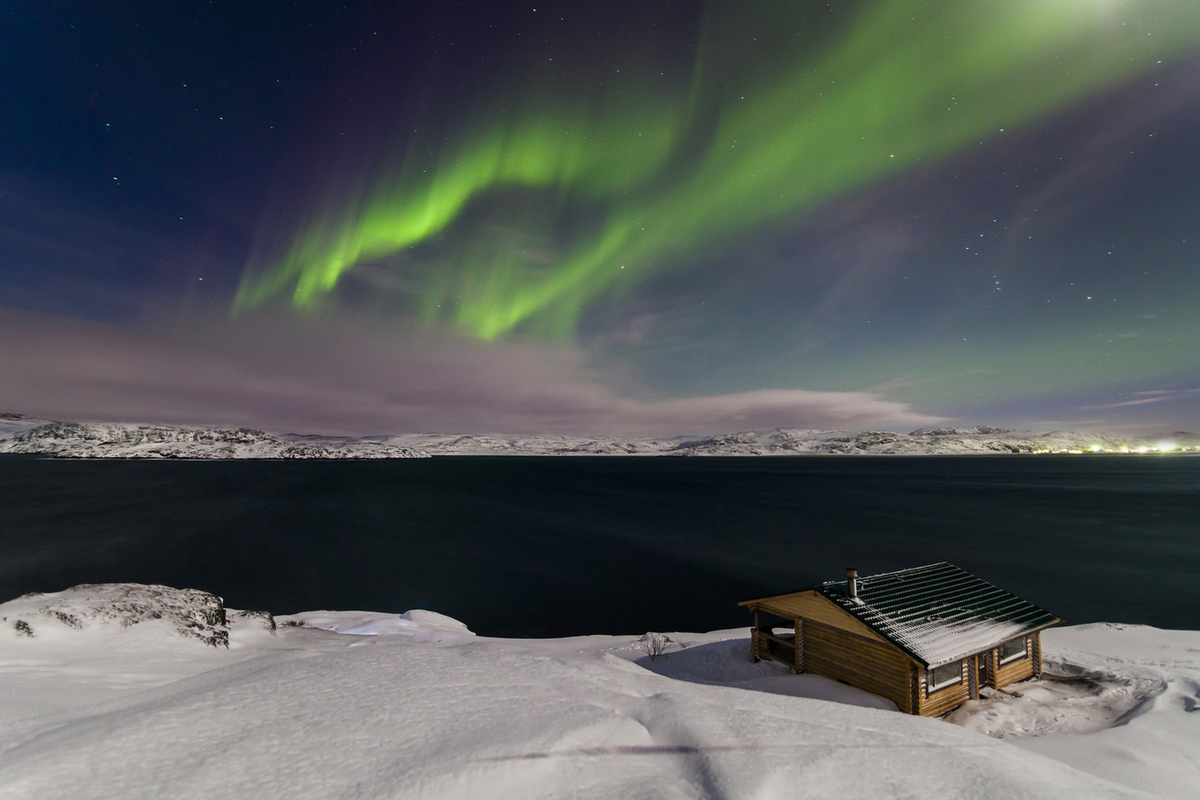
<point>194,614</point>
<point>418,625</point>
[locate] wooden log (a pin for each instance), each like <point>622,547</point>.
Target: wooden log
<point>945,700</point>
<point>895,679</point>
<point>1016,670</point>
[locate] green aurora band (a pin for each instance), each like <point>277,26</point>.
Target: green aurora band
<point>662,176</point>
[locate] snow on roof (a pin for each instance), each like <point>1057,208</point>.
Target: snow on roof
<point>938,613</point>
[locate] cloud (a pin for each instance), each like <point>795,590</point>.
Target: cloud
<point>342,375</point>
<point>1147,397</point>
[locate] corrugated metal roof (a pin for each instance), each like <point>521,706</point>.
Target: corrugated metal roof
<point>938,613</point>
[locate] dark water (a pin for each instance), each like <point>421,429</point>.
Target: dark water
<point>557,546</point>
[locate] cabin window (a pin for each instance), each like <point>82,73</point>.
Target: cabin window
<point>945,675</point>
<point>1012,650</point>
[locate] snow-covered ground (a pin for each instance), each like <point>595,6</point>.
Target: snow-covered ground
<point>121,692</point>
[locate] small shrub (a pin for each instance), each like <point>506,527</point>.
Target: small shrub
<point>654,644</point>
<point>23,628</point>
<point>70,620</point>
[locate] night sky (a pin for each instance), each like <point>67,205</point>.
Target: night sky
<point>646,218</point>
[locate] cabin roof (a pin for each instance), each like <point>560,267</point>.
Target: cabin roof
<point>938,613</point>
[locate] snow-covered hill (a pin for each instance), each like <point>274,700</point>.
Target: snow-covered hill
<point>20,434</point>
<point>93,440</point>
<point>16,423</point>
<point>924,441</point>
<point>112,697</point>
<point>525,445</point>
<point>793,441</point>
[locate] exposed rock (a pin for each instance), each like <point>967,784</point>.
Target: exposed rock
<point>264,618</point>
<point>195,614</point>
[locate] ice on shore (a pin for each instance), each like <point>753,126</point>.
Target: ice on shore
<point>358,704</point>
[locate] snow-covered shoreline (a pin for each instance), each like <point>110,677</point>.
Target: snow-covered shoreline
<point>102,698</point>
<point>19,434</point>
<point>111,440</point>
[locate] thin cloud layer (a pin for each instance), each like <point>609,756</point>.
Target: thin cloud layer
<point>343,376</point>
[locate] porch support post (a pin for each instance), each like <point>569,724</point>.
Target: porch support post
<point>798,664</point>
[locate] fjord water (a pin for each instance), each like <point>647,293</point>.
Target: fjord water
<point>544,546</point>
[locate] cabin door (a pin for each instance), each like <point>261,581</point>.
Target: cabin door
<point>987,668</point>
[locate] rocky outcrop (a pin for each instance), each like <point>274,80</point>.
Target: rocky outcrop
<point>191,613</point>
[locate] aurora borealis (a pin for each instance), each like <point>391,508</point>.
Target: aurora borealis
<point>907,81</point>
<point>976,212</point>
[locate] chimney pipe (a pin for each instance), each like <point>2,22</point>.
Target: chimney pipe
<point>851,581</point>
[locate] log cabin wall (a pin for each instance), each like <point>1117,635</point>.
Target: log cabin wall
<point>858,661</point>
<point>1016,670</point>
<point>939,702</point>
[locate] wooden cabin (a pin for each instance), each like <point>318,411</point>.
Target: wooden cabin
<point>926,638</point>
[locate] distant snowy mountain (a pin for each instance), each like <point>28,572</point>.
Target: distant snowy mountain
<point>20,434</point>
<point>524,445</point>
<point>790,441</point>
<point>15,423</point>
<point>92,440</point>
